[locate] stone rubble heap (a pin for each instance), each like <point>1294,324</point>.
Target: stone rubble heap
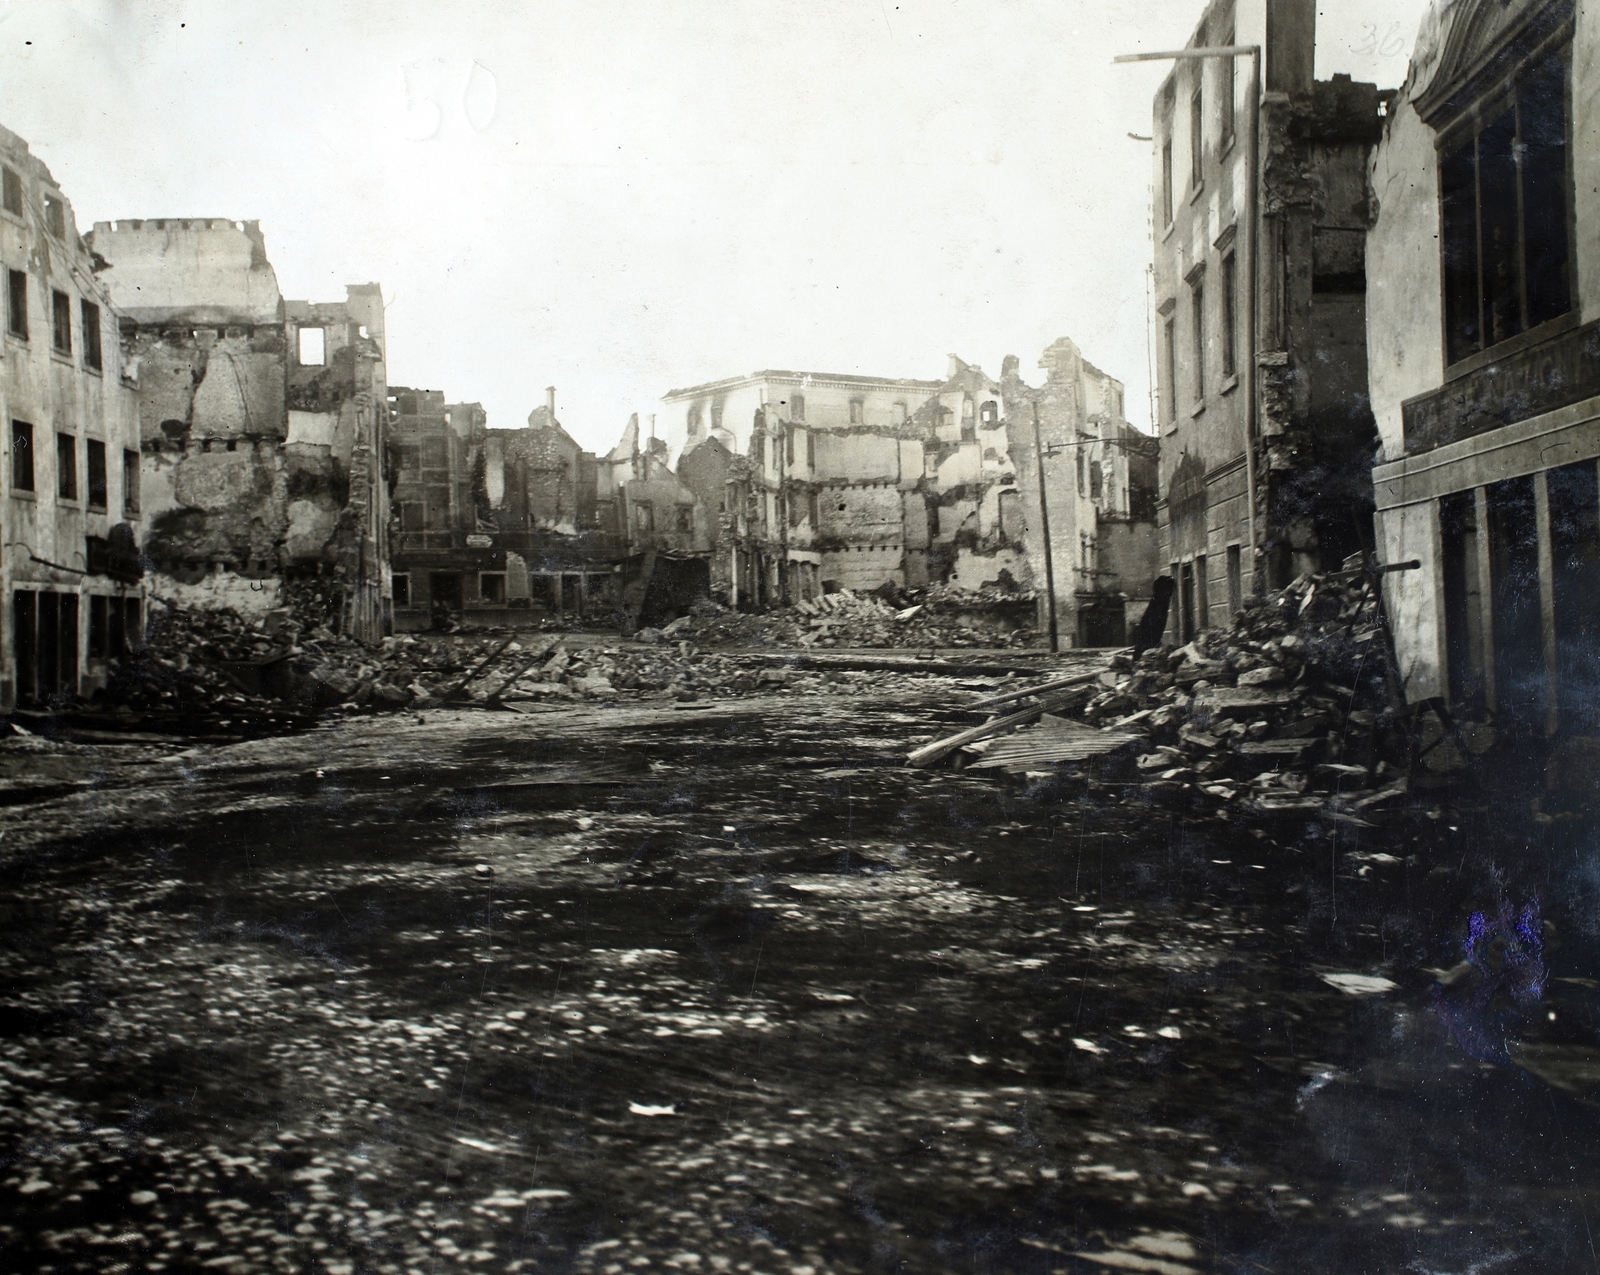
<point>1291,708</point>
<point>940,616</point>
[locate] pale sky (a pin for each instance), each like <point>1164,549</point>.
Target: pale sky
<point>620,197</point>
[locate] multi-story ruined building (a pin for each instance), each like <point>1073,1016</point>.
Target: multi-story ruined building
<point>496,526</point>
<point>262,421</point>
<point>810,443</point>
<point>1483,269</point>
<point>71,594</point>
<point>854,482</point>
<point>1100,488</point>
<point>1265,448</point>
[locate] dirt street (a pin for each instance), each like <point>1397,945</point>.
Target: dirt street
<point>727,987</point>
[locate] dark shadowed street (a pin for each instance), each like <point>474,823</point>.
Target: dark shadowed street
<point>730,988</point>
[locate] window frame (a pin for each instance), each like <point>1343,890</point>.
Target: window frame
<point>61,322</point>
<point>130,482</point>
<point>55,215</point>
<point>1230,315</point>
<point>1197,319</point>
<point>11,183</point>
<point>93,344</point>
<point>17,304</point>
<point>92,447</point>
<point>1486,109</point>
<point>66,474</point>
<point>300,347</point>
<point>24,445</point>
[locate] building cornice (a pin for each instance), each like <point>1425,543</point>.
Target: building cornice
<point>824,380</point>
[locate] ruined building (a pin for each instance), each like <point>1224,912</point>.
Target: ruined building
<point>1100,487</point>
<point>494,525</point>
<point>71,593</point>
<point>1483,269</point>
<point>1265,451</point>
<point>814,482</point>
<point>261,419</point>
<point>822,484</point>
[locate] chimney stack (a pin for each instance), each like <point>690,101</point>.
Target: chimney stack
<point>550,402</point>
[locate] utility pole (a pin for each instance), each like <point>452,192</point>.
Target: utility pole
<point>1044,520</point>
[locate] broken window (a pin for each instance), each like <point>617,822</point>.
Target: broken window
<point>685,518</point>
<point>1235,579</point>
<point>67,466</point>
<point>313,348</point>
<point>492,586</point>
<point>21,456</point>
<point>61,322</point>
<point>758,450</point>
<point>17,303</point>
<point>788,454</point>
<point>130,482</point>
<point>1505,199</point>
<point>13,193</point>
<point>989,414</point>
<point>644,517</point>
<point>400,588</point>
<point>410,459</point>
<point>97,474</point>
<point>1010,514</point>
<point>1198,306</point>
<point>693,426</point>
<point>811,450</point>
<point>55,216</point>
<point>899,413</point>
<point>1229,317</point>
<point>1078,456</point>
<point>814,510</point>
<point>797,407</point>
<point>1096,480</point>
<point>91,334</point>
<point>856,409</point>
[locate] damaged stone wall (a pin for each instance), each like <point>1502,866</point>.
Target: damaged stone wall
<point>261,419</point>
<point>1099,475</point>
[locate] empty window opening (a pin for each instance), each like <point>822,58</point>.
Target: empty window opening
<point>400,589</point>
<point>1199,310</point>
<point>97,474</point>
<point>492,586</point>
<point>61,322</point>
<point>1229,317</point>
<point>1196,134</point>
<point>67,466</point>
<point>313,347</point>
<point>91,334</point>
<point>55,216</point>
<point>13,193</point>
<point>21,456</point>
<point>17,303</point>
<point>130,482</point>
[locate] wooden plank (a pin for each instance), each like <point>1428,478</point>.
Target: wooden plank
<point>941,748</point>
<point>1060,683</point>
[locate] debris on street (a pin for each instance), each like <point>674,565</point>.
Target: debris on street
<point>1292,708</point>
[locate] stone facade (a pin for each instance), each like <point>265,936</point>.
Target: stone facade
<point>1483,266</point>
<point>71,586</point>
<point>1305,465</point>
<point>262,419</point>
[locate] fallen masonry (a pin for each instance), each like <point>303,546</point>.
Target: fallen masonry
<point>1294,708</point>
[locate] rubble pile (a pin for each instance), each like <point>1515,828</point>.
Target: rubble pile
<point>1290,709</point>
<point>941,616</point>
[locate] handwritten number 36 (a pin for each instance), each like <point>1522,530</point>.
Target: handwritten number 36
<point>426,85</point>
<point>1387,45</point>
